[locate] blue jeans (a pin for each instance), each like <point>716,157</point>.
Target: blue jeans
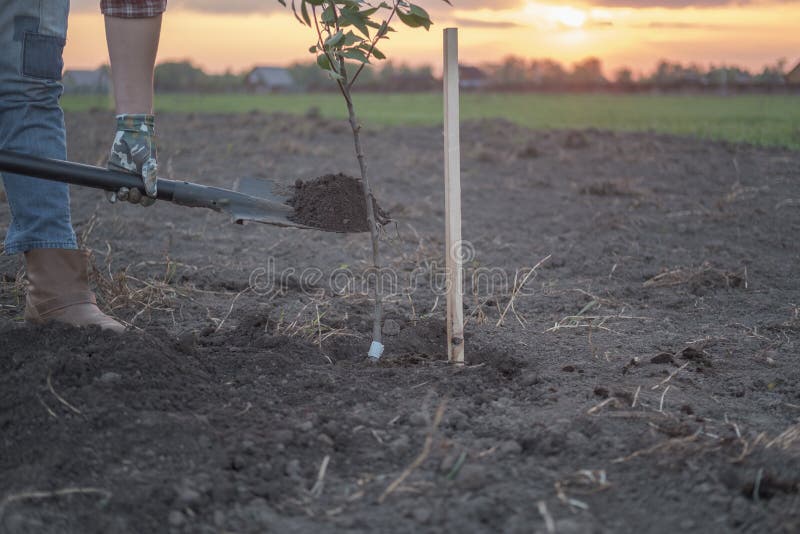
<point>32,36</point>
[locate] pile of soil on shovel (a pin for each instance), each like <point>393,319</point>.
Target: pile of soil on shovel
<point>333,202</point>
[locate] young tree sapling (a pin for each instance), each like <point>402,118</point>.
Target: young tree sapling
<point>347,34</point>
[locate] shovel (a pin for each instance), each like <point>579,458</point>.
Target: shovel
<point>253,201</point>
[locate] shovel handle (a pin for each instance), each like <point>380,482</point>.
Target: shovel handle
<point>239,205</point>
<point>79,174</point>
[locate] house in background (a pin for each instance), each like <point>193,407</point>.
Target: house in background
<point>793,77</point>
<point>270,80</point>
<point>472,77</point>
<point>86,81</point>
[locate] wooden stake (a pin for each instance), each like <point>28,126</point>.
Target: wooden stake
<point>452,195</point>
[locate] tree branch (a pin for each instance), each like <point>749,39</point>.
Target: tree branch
<point>320,41</point>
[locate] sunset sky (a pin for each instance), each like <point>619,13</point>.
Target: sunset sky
<point>237,34</point>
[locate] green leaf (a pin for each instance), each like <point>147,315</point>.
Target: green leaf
<point>313,49</point>
<point>351,38</point>
<point>419,12</point>
<point>334,75</point>
<point>294,12</point>
<point>353,53</point>
<point>408,19</point>
<point>413,20</point>
<point>304,12</point>
<point>377,54</point>
<point>327,16</point>
<point>323,62</point>
<point>350,17</point>
<point>335,40</point>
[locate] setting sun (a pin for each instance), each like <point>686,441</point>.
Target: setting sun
<point>569,16</point>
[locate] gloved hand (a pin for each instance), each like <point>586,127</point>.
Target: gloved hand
<point>134,151</point>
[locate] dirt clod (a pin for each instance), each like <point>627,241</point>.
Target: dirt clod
<point>664,357</point>
<point>576,140</point>
<point>601,392</point>
<point>529,151</point>
<point>391,327</point>
<point>334,202</point>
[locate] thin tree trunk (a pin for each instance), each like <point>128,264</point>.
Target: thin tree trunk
<point>373,226</point>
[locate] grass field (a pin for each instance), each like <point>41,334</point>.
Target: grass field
<point>757,119</point>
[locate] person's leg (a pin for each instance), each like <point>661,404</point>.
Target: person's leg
<point>132,73</point>
<point>32,34</point>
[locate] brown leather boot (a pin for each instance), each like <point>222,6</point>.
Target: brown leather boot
<point>58,289</point>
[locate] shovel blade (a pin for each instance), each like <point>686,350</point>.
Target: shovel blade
<point>264,204</point>
<point>261,188</point>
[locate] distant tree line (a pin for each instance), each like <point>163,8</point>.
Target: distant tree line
<point>510,74</point>
<point>183,76</point>
<point>388,76</point>
<point>518,74</point>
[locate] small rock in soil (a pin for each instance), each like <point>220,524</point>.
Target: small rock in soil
<point>187,342</point>
<point>305,426</point>
<point>110,377</point>
<point>261,512</point>
<point>401,445</point>
<point>391,327</point>
<point>417,419</point>
<point>283,437</point>
<point>176,518</point>
<point>325,439</point>
<point>188,495</point>
<point>510,447</point>
<point>472,477</point>
<point>530,378</point>
<point>576,440</point>
<point>457,419</point>
<point>633,363</point>
<point>422,515</point>
<point>292,469</point>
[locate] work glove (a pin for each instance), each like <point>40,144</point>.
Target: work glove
<point>134,151</point>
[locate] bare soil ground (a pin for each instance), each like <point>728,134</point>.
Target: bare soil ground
<point>644,378</point>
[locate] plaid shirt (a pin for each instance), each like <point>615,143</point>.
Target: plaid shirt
<point>133,9</point>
